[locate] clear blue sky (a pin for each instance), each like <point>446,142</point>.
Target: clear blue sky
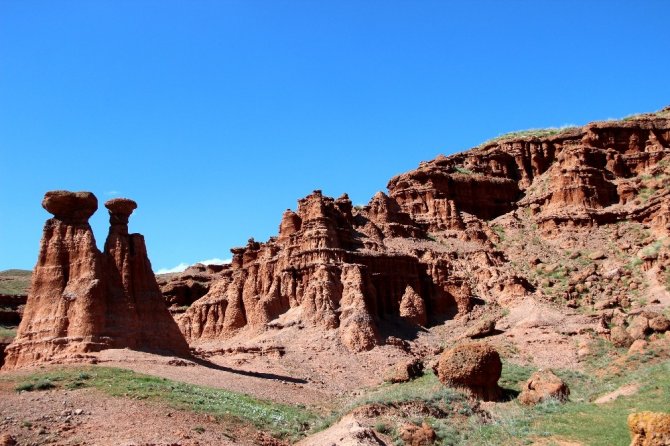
<point>215,116</point>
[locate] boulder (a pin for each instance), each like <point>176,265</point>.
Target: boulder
<point>7,440</point>
<point>638,328</point>
<point>620,337</point>
<point>72,207</point>
<point>649,428</point>
<point>405,371</point>
<point>659,324</point>
<point>475,367</point>
<point>542,385</point>
<point>481,329</point>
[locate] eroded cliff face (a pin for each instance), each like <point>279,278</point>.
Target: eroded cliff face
<point>82,300</point>
<point>333,263</point>
<point>432,247</point>
<point>576,177</point>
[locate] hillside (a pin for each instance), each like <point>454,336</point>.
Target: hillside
<point>550,246</point>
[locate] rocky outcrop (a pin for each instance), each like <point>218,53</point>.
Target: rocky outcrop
<point>543,385</point>
<point>82,300</point>
<point>420,253</point>
<point>332,262</point>
<point>135,316</point>
<point>182,289</point>
<point>474,367</point>
<point>573,177</point>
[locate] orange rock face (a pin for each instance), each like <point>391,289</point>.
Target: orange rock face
<point>586,172</point>
<point>330,261</point>
<point>82,300</point>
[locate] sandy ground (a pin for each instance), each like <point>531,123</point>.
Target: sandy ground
<point>88,417</point>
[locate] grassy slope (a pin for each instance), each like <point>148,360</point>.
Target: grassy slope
<point>281,420</point>
<point>14,281</point>
<point>513,424</point>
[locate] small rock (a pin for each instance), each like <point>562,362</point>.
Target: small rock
<point>638,346</point>
<point>483,328</point>
<point>405,371</point>
<point>597,255</point>
<point>639,327</point>
<point>542,385</point>
<point>620,337</point>
<point>79,412</point>
<point>7,440</point>
<point>659,324</point>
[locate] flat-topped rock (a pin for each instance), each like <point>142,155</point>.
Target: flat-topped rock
<point>119,212</point>
<point>70,206</point>
<point>121,206</point>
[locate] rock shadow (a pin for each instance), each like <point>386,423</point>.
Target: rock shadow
<point>262,375</point>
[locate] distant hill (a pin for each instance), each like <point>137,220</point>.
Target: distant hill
<point>15,281</point>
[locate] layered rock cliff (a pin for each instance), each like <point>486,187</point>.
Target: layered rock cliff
<point>82,300</point>
<point>575,177</point>
<point>431,247</point>
<point>337,265</point>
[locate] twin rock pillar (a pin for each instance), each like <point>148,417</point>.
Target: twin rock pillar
<point>82,300</point>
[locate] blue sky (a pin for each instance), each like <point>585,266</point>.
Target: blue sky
<point>215,116</point>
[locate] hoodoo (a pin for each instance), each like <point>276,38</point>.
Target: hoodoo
<point>82,300</point>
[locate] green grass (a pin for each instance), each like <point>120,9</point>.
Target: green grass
<point>463,170</point>
<point>500,232</point>
<point>426,388</point>
<point>538,133</point>
<point>7,332</point>
<point>281,420</point>
<point>645,193</point>
<point>580,419</point>
<point>14,281</point>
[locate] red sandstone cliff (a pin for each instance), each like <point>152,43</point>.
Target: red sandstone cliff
<point>82,300</point>
<point>422,253</point>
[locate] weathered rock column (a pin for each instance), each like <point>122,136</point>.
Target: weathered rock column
<point>137,313</point>
<point>64,313</point>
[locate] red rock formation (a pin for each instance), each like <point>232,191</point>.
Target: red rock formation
<point>11,308</point>
<point>136,315</point>
<point>64,313</point>
<point>83,301</point>
<point>475,367</point>
<point>420,253</point>
<point>182,289</point>
<point>330,261</point>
